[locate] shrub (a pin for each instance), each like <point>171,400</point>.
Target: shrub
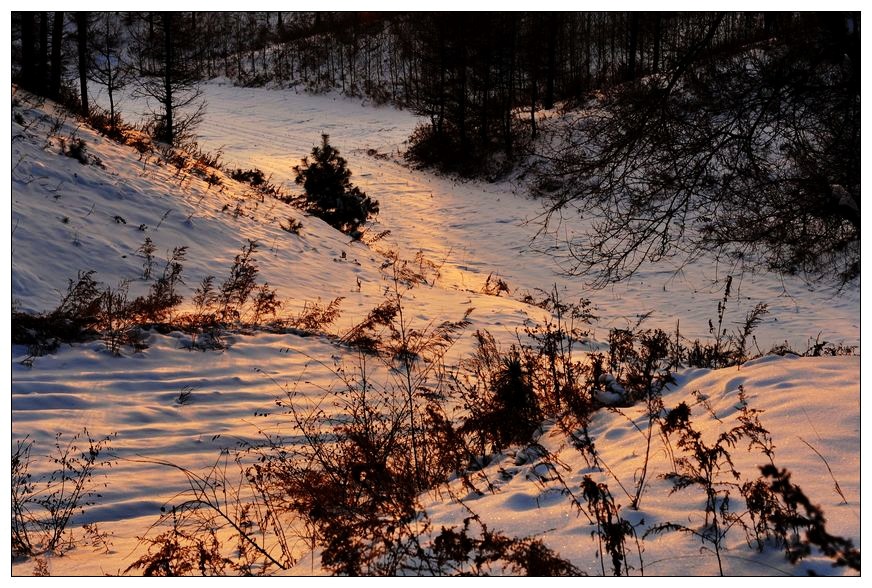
<point>118,322</point>
<point>211,513</point>
<point>44,505</point>
<point>239,285</point>
<point>239,299</point>
<point>76,149</point>
<point>462,553</point>
<point>253,177</point>
<point>76,318</point>
<point>114,129</point>
<point>486,153</point>
<point>499,396</point>
<point>638,360</point>
<point>162,297</point>
<point>750,155</point>
<point>329,193</point>
<point>789,498</point>
<point>294,226</point>
<point>430,148</point>
<point>702,467</point>
<point>316,316</point>
<point>495,285</point>
<point>265,303</point>
<point>611,529</point>
<point>178,553</point>
<point>773,501</point>
<point>261,184</point>
<point>727,349</point>
<point>147,250</point>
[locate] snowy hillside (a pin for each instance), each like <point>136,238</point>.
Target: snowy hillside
<point>169,406</point>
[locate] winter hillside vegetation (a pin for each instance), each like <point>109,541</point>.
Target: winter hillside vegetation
<point>435,294</point>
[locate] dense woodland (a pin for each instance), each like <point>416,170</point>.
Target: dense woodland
<point>744,125</point>
<point>472,71</point>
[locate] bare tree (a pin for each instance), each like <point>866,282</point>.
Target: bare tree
<point>174,84</point>
<point>752,154</point>
<point>107,66</point>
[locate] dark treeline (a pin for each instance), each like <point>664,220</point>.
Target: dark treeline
<point>477,76</point>
<point>481,78</point>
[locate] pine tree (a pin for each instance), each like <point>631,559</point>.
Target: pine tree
<point>329,193</point>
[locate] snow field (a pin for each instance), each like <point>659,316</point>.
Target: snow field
<point>64,220</point>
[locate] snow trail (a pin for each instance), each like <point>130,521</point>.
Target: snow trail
<point>477,228</point>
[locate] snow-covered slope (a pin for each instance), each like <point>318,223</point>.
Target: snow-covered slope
<point>807,404</point>
<point>479,228</point>
<point>68,217</point>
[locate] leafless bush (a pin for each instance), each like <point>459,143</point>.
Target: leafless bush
<point>772,501</point>
<point>76,318</point>
<point>315,316</point>
<point>45,504</point>
<point>495,285</point>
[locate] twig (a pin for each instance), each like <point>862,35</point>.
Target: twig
<point>835,482</point>
<point>163,218</point>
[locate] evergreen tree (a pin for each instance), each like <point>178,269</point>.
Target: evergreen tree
<point>329,193</point>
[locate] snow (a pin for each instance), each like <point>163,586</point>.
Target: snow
<point>787,390</point>
<point>64,220</point>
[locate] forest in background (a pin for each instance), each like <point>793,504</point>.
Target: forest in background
<point>471,72</point>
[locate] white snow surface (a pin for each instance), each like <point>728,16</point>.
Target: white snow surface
<point>65,219</point>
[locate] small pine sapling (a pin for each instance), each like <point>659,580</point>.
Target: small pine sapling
<point>329,193</point>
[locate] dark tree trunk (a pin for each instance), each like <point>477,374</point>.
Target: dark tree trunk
<point>461,92</point>
<point>42,72</point>
<point>443,70</point>
<point>510,99</point>
<point>167,18</point>
<point>533,97</point>
<point>57,65</point>
<point>770,23</point>
<point>28,51</point>
<point>587,43</point>
<point>633,44</point>
<point>551,64</point>
<point>82,35</point>
<point>152,42</point>
<point>485,93</point>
